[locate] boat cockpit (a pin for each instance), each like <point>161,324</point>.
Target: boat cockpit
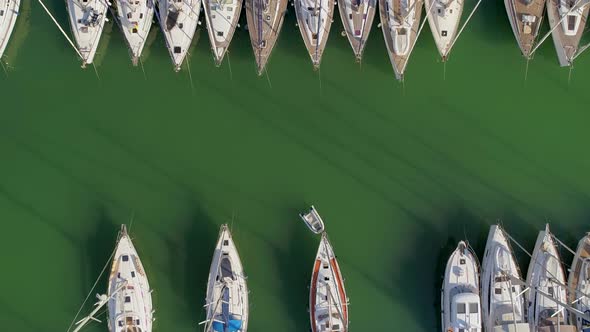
<point>129,324</point>
<point>330,322</point>
<point>465,312</point>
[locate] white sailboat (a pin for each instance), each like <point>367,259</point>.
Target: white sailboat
<point>178,20</point>
<point>312,220</point>
<point>222,18</point>
<point>135,19</point>
<point>444,17</point>
<point>357,18</point>
<point>328,304</point>
<point>87,19</point>
<point>579,283</point>
<point>503,301</point>
<point>314,18</point>
<point>128,295</point>
<point>546,277</point>
<point>227,292</point>
<point>9,11</point>
<point>460,297</point>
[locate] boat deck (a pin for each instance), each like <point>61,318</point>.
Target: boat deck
<point>525,34</point>
<point>566,45</point>
<point>357,21</point>
<point>315,36</point>
<point>265,18</point>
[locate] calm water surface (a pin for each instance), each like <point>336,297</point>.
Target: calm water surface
<point>399,172</point>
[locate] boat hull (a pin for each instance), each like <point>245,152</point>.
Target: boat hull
<point>178,22</point>
<point>357,18</point>
<point>520,16</point>
<point>400,35</point>
<point>265,19</point>
<point>579,282</point>
<point>10,9</point>
<point>87,20</point>
<point>222,21</point>
<point>566,43</point>
<point>444,18</point>
<point>328,302</point>
<point>135,19</point>
<point>314,18</point>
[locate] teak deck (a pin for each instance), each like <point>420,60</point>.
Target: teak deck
<point>326,12</point>
<point>566,46</point>
<point>357,18</point>
<point>525,34</point>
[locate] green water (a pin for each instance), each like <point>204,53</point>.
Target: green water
<point>399,173</point>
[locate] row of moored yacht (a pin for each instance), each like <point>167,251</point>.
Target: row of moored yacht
<point>499,300</point>
<point>400,23</point>
<point>129,300</point>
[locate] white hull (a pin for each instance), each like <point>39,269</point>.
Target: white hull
<point>131,306</point>
<point>227,292</point>
<point>328,303</point>
<point>314,18</point>
<point>460,297</point>
<point>444,17</point>
<point>135,18</point>
<point>178,20</point>
<point>503,301</point>
<point>222,19</point>
<point>579,282</point>
<point>87,21</point>
<point>357,18</point>
<point>9,11</point>
<point>546,275</point>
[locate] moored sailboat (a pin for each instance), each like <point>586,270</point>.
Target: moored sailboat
<point>9,11</point>
<point>87,20</point>
<point>460,296</point>
<point>222,19</point>
<point>178,20</point>
<point>579,283</point>
<point>227,292</point>
<point>400,20</point>
<point>567,19</point>
<point>135,19</point>
<point>265,19</point>
<point>444,17</point>
<point>128,295</point>
<point>357,18</point>
<point>503,301</point>
<point>328,304</point>
<point>314,19</point>
<point>546,277</point>
<point>525,18</point>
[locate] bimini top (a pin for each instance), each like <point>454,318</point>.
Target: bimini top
<point>465,310</point>
<point>234,325</point>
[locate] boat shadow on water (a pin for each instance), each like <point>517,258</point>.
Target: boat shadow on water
<point>19,35</point>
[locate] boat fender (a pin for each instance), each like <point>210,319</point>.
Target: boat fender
<point>379,25</point>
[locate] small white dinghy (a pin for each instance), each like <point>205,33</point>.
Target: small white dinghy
<point>129,296</point>
<point>314,18</point>
<point>227,292</point>
<point>503,301</point>
<point>222,19</point>
<point>135,19</point>
<point>444,17</point>
<point>460,298</point>
<point>579,283</point>
<point>313,220</point>
<point>546,278</point>
<point>328,304</point>
<point>178,20</point>
<point>9,11</point>
<point>357,18</point>
<point>87,19</point>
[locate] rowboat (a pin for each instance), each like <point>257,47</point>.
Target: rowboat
<point>546,278</point>
<point>400,20</point>
<point>357,18</point>
<point>314,18</point>
<point>178,20</point>
<point>313,220</point>
<point>227,292</point>
<point>567,19</point>
<point>9,10</point>
<point>328,304</point>
<point>129,297</point>
<point>460,297</point>
<point>444,17</point>
<point>265,19</point>
<point>579,283</point>
<point>222,18</point>
<point>503,301</point>
<point>135,19</point>
<point>525,18</point>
